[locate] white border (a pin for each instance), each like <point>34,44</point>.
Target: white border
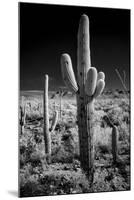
<point>9,98</point>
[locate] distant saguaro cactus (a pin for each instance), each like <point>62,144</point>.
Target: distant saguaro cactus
<point>21,120</point>
<point>23,115</point>
<point>47,129</point>
<point>115,144</point>
<point>60,95</point>
<point>88,86</point>
<point>114,140</point>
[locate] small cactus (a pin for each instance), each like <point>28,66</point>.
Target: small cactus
<point>89,85</point>
<point>21,120</point>
<point>115,144</point>
<point>114,140</point>
<point>99,87</point>
<point>22,117</point>
<point>47,130</point>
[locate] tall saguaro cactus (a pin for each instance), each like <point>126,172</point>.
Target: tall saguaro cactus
<point>48,130</point>
<point>88,86</point>
<point>47,135</point>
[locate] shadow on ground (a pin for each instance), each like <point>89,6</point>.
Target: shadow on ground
<point>13,193</point>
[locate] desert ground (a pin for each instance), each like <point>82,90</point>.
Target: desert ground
<point>64,174</point>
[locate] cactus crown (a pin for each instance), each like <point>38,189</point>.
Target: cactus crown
<point>94,82</point>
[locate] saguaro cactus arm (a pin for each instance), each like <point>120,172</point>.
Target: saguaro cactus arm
<point>101,75</point>
<point>54,121</point>
<point>68,73</point>
<point>99,88</point>
<point>91,80</point>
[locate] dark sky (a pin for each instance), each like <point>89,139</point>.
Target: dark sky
<point>47,31</point>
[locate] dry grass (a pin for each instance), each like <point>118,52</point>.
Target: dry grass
<point>64,174</point>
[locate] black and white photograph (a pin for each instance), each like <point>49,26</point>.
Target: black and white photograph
<point>74,99</point>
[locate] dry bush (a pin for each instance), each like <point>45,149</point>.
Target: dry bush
<point>102,139</point>
<point>53,182</point>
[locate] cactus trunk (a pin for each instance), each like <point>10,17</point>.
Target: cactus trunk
<point>85,124</point>
<point>47,136</point>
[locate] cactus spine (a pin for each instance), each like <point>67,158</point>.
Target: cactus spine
<point>47,131</point>
<point>88,86</point>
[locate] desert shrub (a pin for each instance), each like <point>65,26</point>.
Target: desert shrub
<point>102,141</point>
<point>103,104</point>
<point>71,141</point>
<point>125,105</point>
<point>102,136</point>
<point>65,182</point>
<point>65,145</point>
<point>68,143</point>
<point>102,148</point>
<point>126,117</point>
<point>119,184</point>
<point>33,106</point>
<point>59,126</point>
<point>26,149</point>
<point>53,182</point>
<point>124,132</point>
<point>56,142</point>
<point>65,125</point>
<point>116,94</point>
<point>61,155</point>
<point>38,137</point>
<point>31,146</point>
<point>36,158</point>
<point>100,184</point>
<point>115,115</point>
<point>32,116</point>
<point>76,150</point>
<point>109,180</point>
<point>98,118</point>
<point>124,149</point>
<point>29,186</point>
